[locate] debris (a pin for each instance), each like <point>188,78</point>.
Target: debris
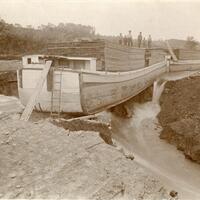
<point>12,175</point>
<point>123,188</point>
<point>120,191</point>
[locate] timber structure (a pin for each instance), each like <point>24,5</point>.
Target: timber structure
<point>90,77</point>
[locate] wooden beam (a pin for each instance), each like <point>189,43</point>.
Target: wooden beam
<point>171,51</point>
<point>32,101</point>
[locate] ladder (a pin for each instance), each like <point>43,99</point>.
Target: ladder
<point>32,101</point>
<point>56,94</point>
<point>171,51</point>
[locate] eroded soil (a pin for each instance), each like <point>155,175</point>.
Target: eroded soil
<point>180,116</point>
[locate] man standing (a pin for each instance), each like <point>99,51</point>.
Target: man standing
<point>125,40</point>
<point>120,39</point>
<point>140,39</point>
<point>149,41</point>
<point>144,42</point>
<point>147,57</point>
<point>129,39</point>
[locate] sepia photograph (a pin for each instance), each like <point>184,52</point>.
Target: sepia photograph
<point>100,99</point>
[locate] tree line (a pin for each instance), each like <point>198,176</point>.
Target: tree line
<point>15,39</point>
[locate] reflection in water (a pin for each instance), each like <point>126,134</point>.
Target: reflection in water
<point>140,134</point>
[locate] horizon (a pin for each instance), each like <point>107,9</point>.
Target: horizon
<point>162,19</point>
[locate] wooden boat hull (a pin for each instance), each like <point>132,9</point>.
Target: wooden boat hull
<point>90,92</point>
<point>185,65</point>
<point>99,92</point>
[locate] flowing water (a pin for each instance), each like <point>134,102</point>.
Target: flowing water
<point>140,135</point>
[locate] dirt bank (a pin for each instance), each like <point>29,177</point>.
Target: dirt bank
<point>45,161</point>
<point>41,160</point>
<point>180,116</point>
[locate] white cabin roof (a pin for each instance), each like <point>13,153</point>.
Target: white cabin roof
<point>78,63</point>
<point>56,56</point>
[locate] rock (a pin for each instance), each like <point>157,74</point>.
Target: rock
<point>18,186</point>
<point>130,156</point>
<point>173,193</point>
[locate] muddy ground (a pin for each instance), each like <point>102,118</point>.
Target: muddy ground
<point>180,116</point>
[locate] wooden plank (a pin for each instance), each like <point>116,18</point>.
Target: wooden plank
<point>188,62</point>
<point>120,58</point>
<point>184,67</point>
<point>189,54</point>
<point>171,51</point>
<point>31,103</point>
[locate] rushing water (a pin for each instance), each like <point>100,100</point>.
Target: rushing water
<point>140,134</point>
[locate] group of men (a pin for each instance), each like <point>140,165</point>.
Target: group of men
<point>127,40</point>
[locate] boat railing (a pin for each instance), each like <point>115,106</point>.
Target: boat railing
<point>138,71</point>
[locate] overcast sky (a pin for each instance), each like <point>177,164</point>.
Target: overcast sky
<point>161,18</point>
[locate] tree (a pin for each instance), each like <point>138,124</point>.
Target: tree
<point>191,43</point>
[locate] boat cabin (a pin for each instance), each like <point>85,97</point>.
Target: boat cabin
<point>61,88</point>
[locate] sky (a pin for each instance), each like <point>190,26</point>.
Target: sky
<point>163,19</point>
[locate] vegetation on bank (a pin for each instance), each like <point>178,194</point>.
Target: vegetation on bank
<point>17,40</point>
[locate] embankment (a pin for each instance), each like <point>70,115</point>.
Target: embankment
<point>41,160</point>
<point>180,116</point>
<point>8,83</point>
<point>8,74</point>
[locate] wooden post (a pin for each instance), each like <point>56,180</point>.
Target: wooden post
<point>31,103</point>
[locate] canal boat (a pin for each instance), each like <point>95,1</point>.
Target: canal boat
<point>74,85</point>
